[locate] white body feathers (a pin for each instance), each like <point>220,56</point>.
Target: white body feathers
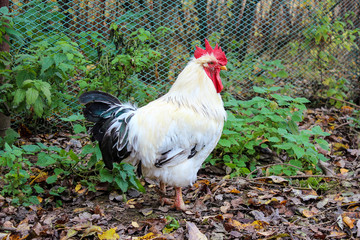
<point>187,120</point>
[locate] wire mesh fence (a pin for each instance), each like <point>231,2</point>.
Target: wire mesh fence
<point>310,45</point>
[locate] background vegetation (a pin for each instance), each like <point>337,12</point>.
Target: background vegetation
<point>281,53</point>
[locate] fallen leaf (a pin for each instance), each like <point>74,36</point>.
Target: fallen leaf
<point>234,190</point>
<point>78,187</point>
<point>109,235</point>
<point>266,233</point>
<point>225,208</point>
<point>334,234</point>
<point>146,211</point>
<point>308,213</point>
<point>194,232</point>
<point>135,224</point>
<point>92,230</point>
<point>349,221</point>
<point>76,210</point>
<point>148,236</point>
<point>70,233</point>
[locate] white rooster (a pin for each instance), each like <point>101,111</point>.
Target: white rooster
<point>169,138</point>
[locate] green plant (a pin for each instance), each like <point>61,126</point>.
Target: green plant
<point>50,62</point>
<point>32,94</point>
<point>268,123</point>
<point>10,138</point>
<point>19,167</point>
<point>6,29</point>
<point>13,158</point>
<point>122,176</point>
<point>121,62</point>
<point>327,39</point>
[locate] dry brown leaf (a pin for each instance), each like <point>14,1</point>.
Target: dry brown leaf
<point>76,210</point>
<point>234,190</point>
<point>308,213</point>
<point>349,221</point>
<point>225,208</point>
<point>135,224</point>
<point>334,234</point>
<point>194,232</point>
<point>266,233</point>
<point>92,230</point>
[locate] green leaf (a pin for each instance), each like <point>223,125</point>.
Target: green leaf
<point>39,107</point>
<point>322,143</point>
<point>299,152</point>
<point>273,139</point>
<point>79,128</point>
<point>301,100</point>
<point>31,96</point>
<point>52,179</point>
<point>33,200</point>
<point>225,143</point>
<point>318,131</point>
<point>38,189</point>
<point>31,148</point>
<point>282,74</point>
<point>259,90</point>
<point>4,10</point>
<point>296,163</point>
<point>139,186</point>
<point>45,89</point>
<point>293,127</point>
<point>46,63</point>
<point>122,175</point>
<point>123,185</point>
<point>19,96</point>
<point>45,160</point>
<point>106,176</point>
<point>74,117</point>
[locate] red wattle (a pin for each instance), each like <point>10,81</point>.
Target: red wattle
<point>214,75</point>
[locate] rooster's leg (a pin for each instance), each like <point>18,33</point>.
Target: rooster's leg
<point>163,199</point>
<point>179,202</point>
<point>163,188</point>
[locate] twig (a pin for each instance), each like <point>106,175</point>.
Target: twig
<point>335,207</point>
<point>306,176</point>
<point>276,185</point>
<point>343,101</point>
<point>10,229</point>
<point>270,165</point>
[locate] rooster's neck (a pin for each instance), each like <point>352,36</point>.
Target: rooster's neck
<point>194,89</point>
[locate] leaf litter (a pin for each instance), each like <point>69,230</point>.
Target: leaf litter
<point>263,207</point>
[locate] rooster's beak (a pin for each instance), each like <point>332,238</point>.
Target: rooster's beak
<point>223,68</point>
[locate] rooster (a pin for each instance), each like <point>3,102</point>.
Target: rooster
<point>169,138</point>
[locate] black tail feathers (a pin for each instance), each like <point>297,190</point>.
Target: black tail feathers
<point>111,119</point>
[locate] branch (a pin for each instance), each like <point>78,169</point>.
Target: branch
<point>343,101</point>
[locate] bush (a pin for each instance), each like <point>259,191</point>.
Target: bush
<point>270,123</point>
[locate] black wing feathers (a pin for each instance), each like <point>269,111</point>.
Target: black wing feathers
<point>165,158</point>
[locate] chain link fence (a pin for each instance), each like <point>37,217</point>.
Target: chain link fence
<point>314,39</point>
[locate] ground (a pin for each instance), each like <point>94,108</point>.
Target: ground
<point>220,207</point>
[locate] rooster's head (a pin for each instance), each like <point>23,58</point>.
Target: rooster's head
<point>213,60</point>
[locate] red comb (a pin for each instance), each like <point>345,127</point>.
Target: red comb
<point>217,52</point>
